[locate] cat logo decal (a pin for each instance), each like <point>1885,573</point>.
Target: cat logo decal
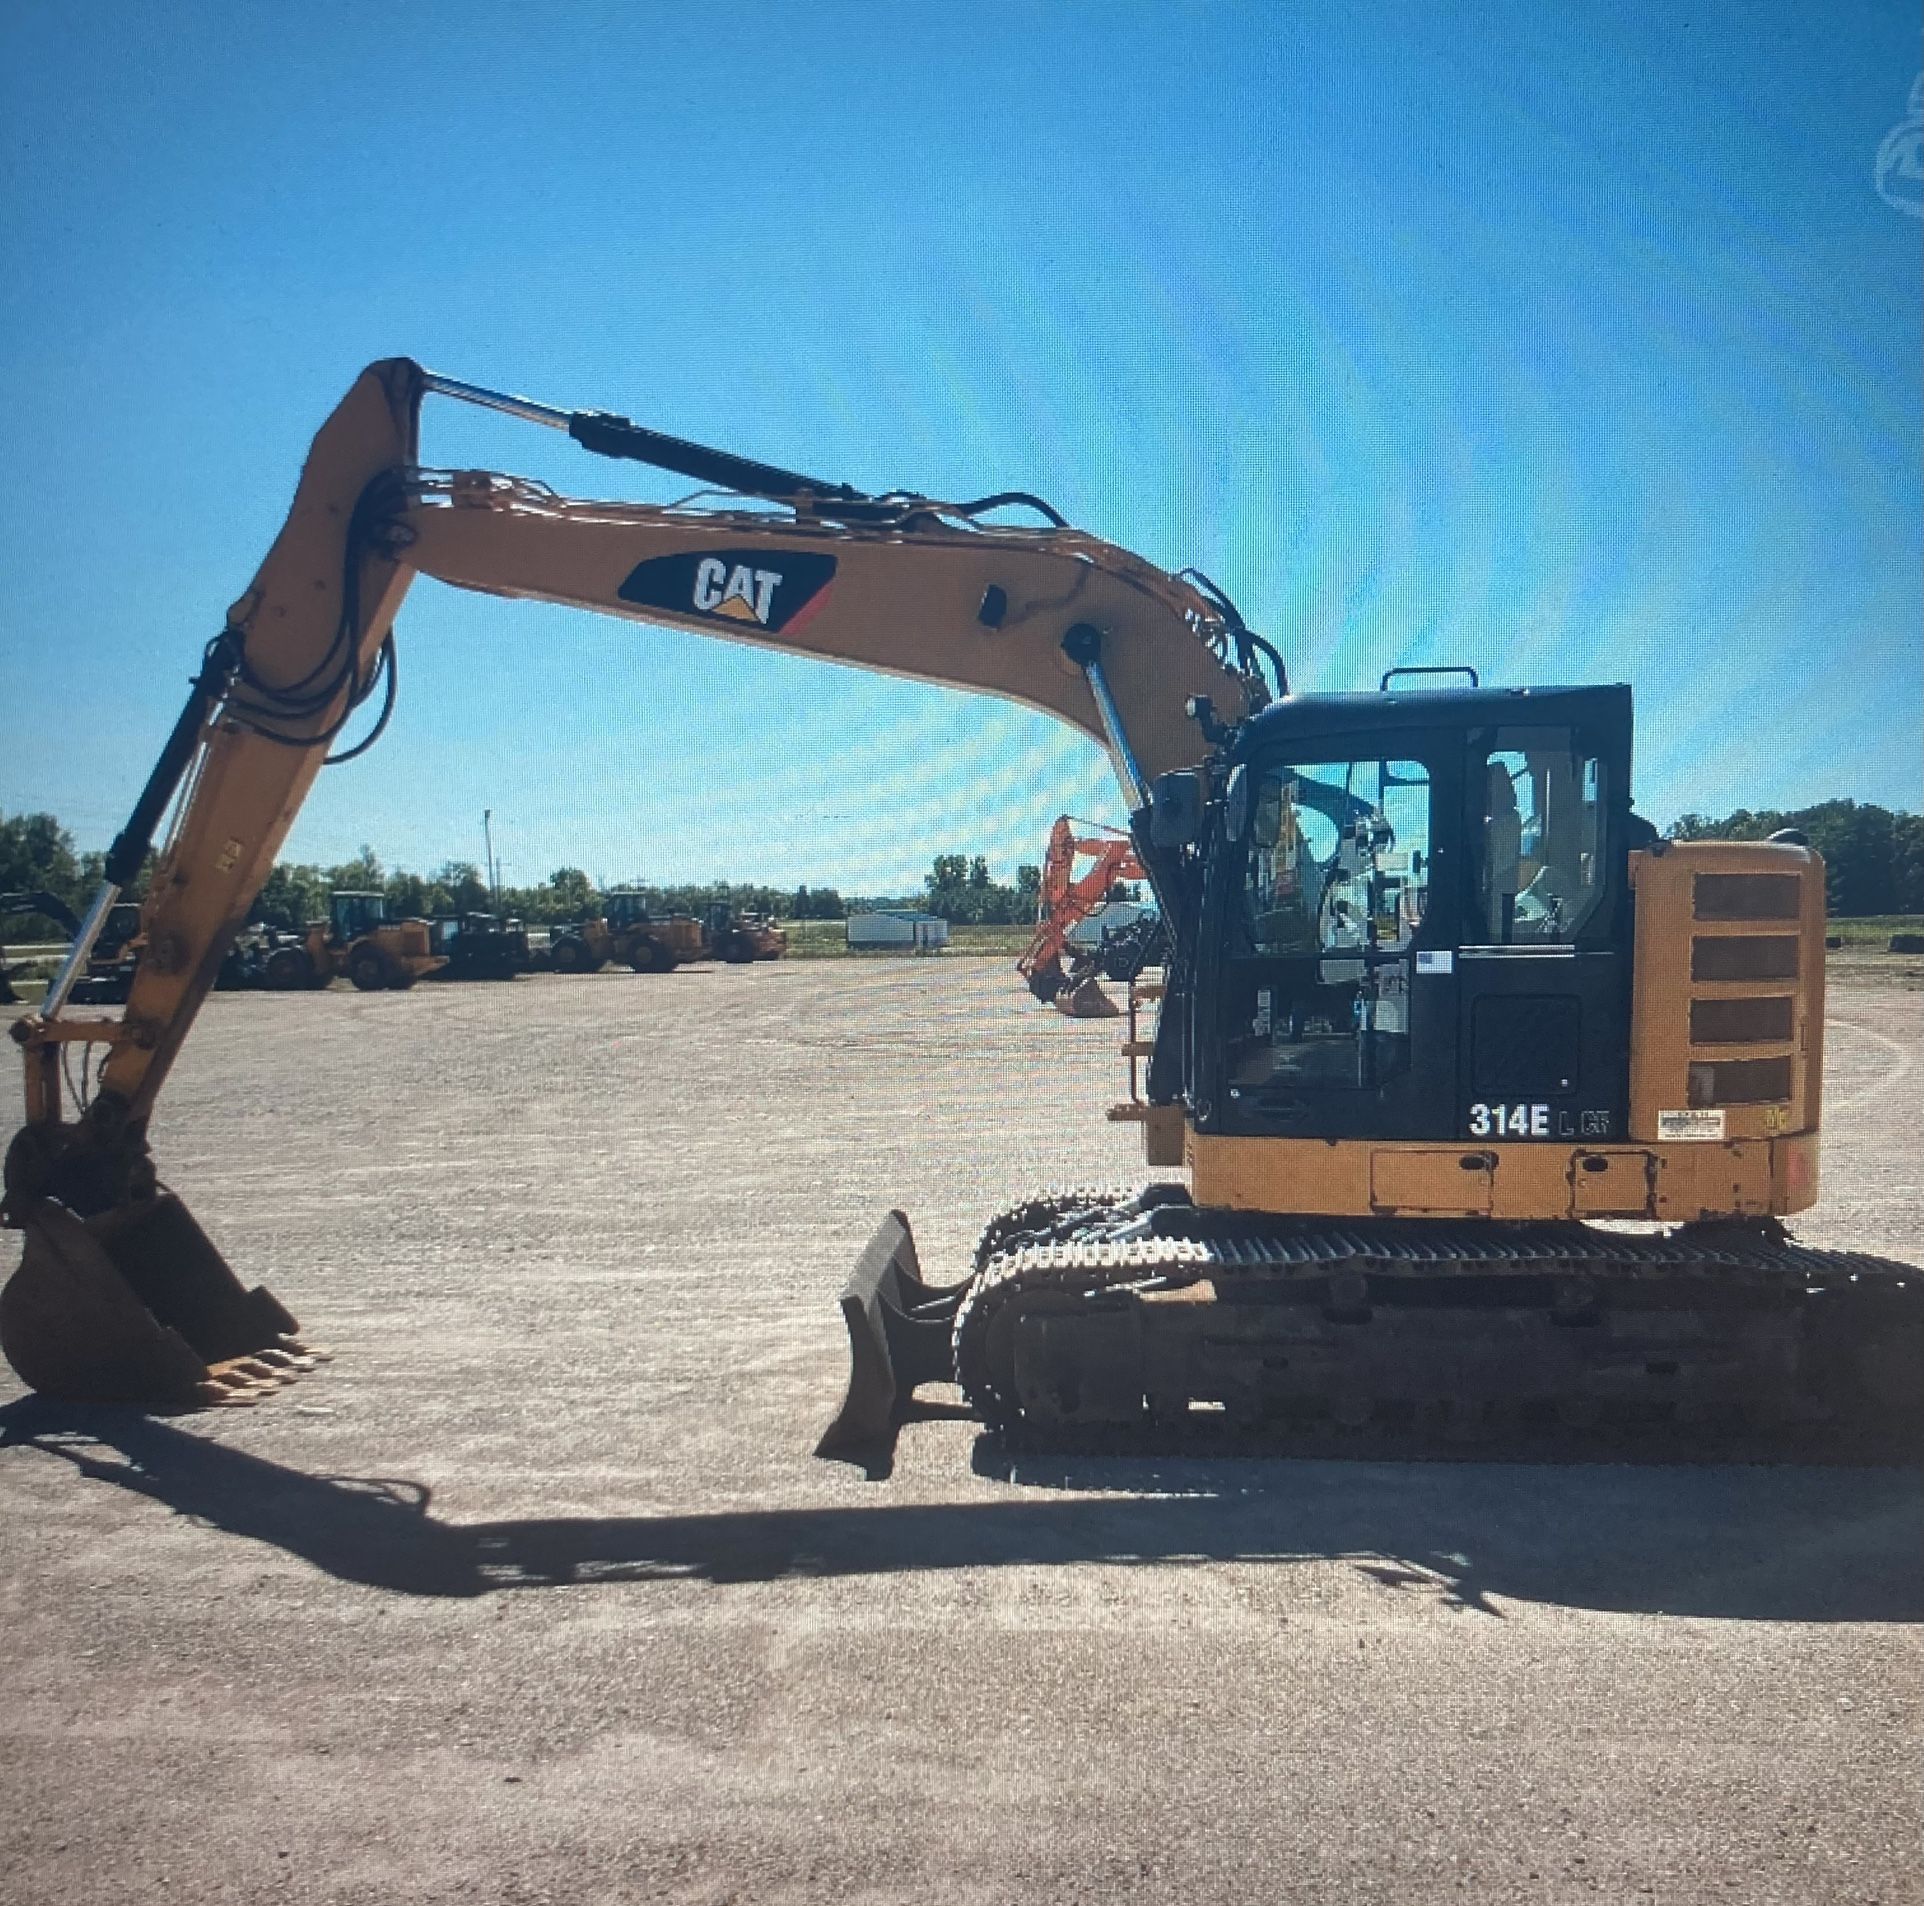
<point>776,590</point>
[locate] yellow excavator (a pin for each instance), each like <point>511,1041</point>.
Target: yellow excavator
<point>1438,1009</point>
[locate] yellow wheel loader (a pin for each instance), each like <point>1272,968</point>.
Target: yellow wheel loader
<point>626,933</point>
<point>740,938</point>
<point>1438,1012</point>
<point>357,941</point>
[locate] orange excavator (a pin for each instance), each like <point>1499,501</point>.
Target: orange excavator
<point>1067,897</point>
<point>1438,1008</point>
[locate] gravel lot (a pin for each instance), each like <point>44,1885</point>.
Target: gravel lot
<point>536,1593</point>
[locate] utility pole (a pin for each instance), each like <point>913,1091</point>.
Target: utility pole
<point>487,829</point>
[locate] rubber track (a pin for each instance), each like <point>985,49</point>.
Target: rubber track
<point>1044,1212</point>
<point>1244,1247</point>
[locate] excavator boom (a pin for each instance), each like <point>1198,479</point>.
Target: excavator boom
<point>1047,616</point>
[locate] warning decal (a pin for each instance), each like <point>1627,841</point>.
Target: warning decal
<point>1690,1125</point>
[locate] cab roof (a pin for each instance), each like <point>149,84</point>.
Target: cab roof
<point>1598,709</point>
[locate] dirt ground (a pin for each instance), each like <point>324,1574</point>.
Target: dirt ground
<point>536,1593</point>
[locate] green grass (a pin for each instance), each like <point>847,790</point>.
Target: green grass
<point>1871,932</point>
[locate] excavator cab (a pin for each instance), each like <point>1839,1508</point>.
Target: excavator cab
<point>1416,921</point>
<point>1437,1002</point>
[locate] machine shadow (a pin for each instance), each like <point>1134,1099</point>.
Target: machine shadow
<point>1762,1544</point>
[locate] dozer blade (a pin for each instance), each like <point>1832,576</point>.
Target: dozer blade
<point>137,1306</point>
<point>898,1336</point>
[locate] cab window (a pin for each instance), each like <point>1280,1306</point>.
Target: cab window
<point>1339,857</point>
<point>1540,866</point>
<point>1336,882</point>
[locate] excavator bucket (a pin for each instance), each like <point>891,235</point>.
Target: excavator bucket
<point>137,1306</point>
<point>899,1331</point>
<point>1084,999</point>
<point>1046,981</point>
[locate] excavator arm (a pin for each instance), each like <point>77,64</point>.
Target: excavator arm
<point>1047,616</point>
<point>1068,898</point>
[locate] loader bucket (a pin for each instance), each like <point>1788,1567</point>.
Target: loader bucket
<point>898,1336</point>
<point>137,1306</point>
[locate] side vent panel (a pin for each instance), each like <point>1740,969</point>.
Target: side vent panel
<point>1728,1000</point>
<point>1747,896</point>
<point>1747,957</point>
<point>1738,1022</point>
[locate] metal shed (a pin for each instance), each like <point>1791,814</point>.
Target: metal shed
<point>897,930</point>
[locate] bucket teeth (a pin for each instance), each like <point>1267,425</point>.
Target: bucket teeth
<point>137,1306</point>
<point>221,1392</point>
<point>292,1363</point>
<point>264,1369</point>
<point>249,1379</point>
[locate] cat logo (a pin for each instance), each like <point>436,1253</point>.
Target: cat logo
<point>735,590</point>
<point>774,589</point>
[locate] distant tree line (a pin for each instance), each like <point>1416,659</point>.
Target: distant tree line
<point>961,890</point>
<point>36,852</point>
<point>1873,858</point>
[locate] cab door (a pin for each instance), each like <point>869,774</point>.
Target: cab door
<point>1334,1009</point>
<point>1543,970</point>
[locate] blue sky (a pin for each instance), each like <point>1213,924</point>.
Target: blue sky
<point>1572,342</point>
